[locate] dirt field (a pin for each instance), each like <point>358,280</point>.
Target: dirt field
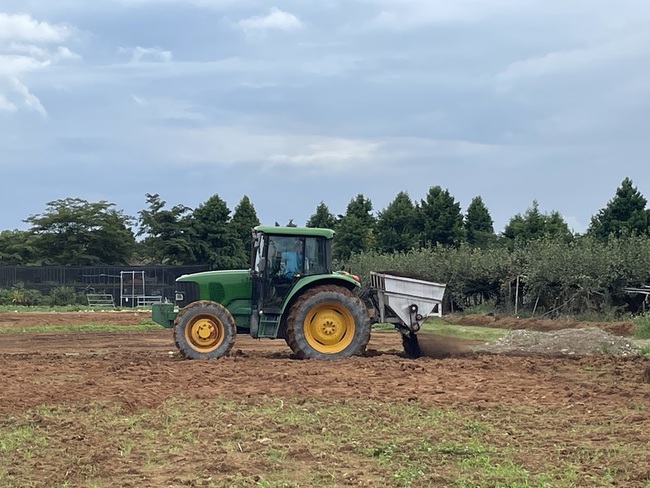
<point>93,409</point>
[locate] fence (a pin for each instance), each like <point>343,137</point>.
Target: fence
<point>129,286</point>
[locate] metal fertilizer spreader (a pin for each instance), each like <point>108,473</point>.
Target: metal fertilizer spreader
<point>405,302</point>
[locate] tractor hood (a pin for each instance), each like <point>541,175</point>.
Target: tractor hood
<point>211,276</point>
<point>221,286</point>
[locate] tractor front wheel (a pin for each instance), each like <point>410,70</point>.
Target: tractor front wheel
<point>328,322</point>
<point>204,330</point>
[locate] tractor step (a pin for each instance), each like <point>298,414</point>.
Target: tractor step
<point>269,326</point>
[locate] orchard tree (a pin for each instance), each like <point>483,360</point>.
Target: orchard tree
<point>533,225</point>
<point>355,230</point>
<point>479,226</point>
<point>439,219</point>
<point>322,218</point>
<point>73,231</point>
<point>396,226</point>
<point>214,241</point>
<point>244,219</point>
<point>625,214</point>
<point>167,233</point>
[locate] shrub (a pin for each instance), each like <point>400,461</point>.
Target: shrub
<point>63,295</point>
<point>19,295</point>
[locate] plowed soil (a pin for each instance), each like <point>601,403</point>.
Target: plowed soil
<point>136,370</point>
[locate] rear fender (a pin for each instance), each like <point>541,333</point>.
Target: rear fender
<point>304,284</point>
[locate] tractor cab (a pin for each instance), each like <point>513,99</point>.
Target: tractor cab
<point>281,258</point>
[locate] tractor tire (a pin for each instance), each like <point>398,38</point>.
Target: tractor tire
<point>204,330</point>
<point>328,322</point>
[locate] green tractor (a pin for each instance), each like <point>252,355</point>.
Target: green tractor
<point>290,293</point>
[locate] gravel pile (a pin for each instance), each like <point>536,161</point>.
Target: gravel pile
<point>567,342</point>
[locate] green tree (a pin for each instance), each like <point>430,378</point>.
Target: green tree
<point>322,218</point>
<point>479,226</point>
<point>533,225</point>
<point>214,241</point>
<point>625,214</point>
<point>355,230</point>
<point>18,248</point>
<point>73,231</point>
<point>396,225</point>
<point>439,219</point>
<point>167,233</point>
<point>243,220</point>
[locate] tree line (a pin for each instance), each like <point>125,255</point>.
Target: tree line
<point>536,264</point>
<point>74,231</point>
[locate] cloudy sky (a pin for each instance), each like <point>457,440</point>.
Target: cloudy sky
<point>295,102</point>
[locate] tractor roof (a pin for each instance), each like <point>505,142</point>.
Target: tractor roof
<point>296,231</point>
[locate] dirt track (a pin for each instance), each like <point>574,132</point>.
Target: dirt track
<point>141,369</point>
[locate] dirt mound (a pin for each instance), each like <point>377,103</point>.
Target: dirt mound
<point>567,342</point>
<point>541,325</point>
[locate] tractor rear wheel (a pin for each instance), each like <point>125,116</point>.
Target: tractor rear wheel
<point>204,330</point>
<point>328,322</point>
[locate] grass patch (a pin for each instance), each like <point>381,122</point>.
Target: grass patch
<point>16,439</point>
<point>479,333</point>
<point>644,348</point>
<point>439,327</point>
<point>642,327</point>
<point>271,442</point>
<point>77,328</point>
<point>66,308</point>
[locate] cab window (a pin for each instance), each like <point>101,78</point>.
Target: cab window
<point>285,256</point>
<point>315,255</point>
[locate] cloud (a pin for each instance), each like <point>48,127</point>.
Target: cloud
<point>30,100</point>
<point>168,110</point>
<point>239,145</point>
<point>333,65</point>
<point>275,20</point>
<point>407,14</point>
<point>12,65</point>
<point>23,27</point>
<point>218,4</point>
<point>63,52</point>
<point>574,60</point>
<point>331,153</point>
<point>143,54</point>
<point>231,145</point>
<point>25,46</point>
<point>6,105</point>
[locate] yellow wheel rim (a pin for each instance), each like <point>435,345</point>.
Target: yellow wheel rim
<point>329,327</point>
<point>205,333</point>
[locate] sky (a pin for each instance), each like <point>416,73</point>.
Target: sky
<point>293,103</point>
